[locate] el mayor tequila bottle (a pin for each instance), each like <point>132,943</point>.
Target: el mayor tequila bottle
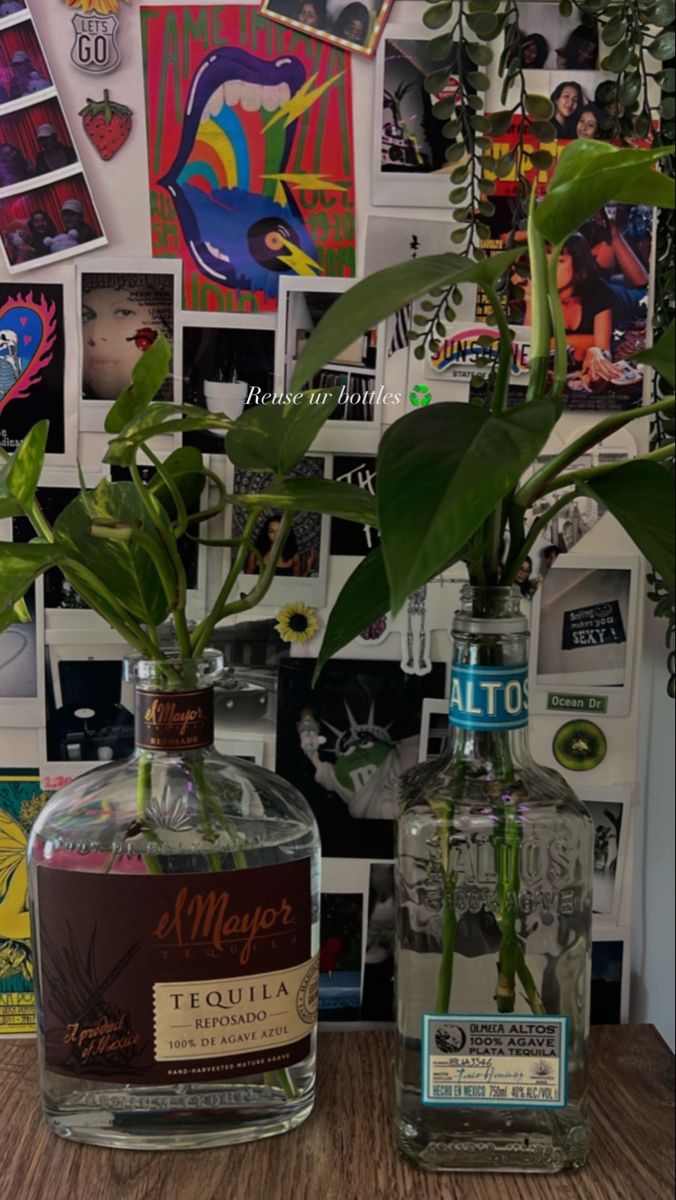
<point>175,917</point>
<point>494,878</point>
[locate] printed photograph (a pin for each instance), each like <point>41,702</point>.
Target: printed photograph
<point>350,24</point>
<point>257,124</point>
<point>607,818</point>
<point>603,278</point>
<point>21,798</point>
<point>608,970</point>
<point>19,659</point>
<point>301,568</point>
<point>34,142</point>
<point>23,70</point>
<point>221,363</point>
<point>122,315</point>
<point>551,41</point>
<point>411,138</point>
<point>355,371</point>
<point>347,537</point>
<point>340,956</point>
<point>246,694</point>
<point>377,1002</point>
<point>49,223</point>
<point>32,360</point>
<point>11,9</point>
<point>89,708</point>
<point>583,627</point>
<point>345,743</point>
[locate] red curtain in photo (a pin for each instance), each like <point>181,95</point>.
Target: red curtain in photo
<point>19,129</point>
<point>20,37</point>
<point>49,200</point>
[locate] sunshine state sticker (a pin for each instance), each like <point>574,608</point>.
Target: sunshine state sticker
<point>494,1061</point>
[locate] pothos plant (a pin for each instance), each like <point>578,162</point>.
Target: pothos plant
<point>119,544</point>
<point>450,478</point>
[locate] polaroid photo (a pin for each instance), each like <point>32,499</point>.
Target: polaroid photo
<point>49,224</point>
<point>409,147</point>
<point>345,743</point>
<point>89,707</point>
<point>249,750</point>
<point>358,370</point>
<point>611,812</point>
<point>36,147</point>
<point>22,693</point>
<point>342,940</point>
<point>349,24</point>
<point>550,41</point>
<point>58,487</point>
<point>11,12</point>
<point>584,631</point>
<point>246,694</point>
<point>302,569</point>
<point>579,517</point>
<point>611,966</point>
<point>124,303</point>
<point>225,358</point>
<point>33,367</point>
<point>24,73</point>
<point>347,537</point>
<point>433,728</point>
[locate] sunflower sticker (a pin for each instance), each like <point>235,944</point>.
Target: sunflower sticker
<point>296,622</point>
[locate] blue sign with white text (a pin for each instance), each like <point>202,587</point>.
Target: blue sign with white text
<point>489,697</point>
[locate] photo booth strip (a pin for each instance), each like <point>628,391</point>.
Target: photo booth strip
<point>58,187</point>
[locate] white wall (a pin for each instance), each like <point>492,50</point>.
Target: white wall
<point>652,982</point>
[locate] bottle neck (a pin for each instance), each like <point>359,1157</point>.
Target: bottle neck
<point>173,722</point>
<point>488,698</point>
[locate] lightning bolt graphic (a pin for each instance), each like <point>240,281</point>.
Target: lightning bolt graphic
<point>297,260</point>
<point>308,181</point>
<point>303,99</point>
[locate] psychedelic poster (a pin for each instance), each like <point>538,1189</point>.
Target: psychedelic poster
<point>31,363</point>
<point>250,153</point>
<point>21,799</point>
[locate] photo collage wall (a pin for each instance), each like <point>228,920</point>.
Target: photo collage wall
<point>308,126</point>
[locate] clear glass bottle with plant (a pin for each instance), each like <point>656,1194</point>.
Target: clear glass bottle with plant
<point>175,895</point>
<point>495,853</point>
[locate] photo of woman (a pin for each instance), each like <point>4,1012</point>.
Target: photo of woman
<point>589,122</point>
<point>122,315</point>
<point>351,24</point>
<point>587,310</point>
<point>580,50</point>
<point>289,564</point>
<point>568,100</point>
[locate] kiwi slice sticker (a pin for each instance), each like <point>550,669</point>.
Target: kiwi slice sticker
<point>579,746</point>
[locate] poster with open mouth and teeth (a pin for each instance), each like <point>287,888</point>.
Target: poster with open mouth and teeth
<point>250,153</point>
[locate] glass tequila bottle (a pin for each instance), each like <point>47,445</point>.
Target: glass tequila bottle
<point>175,909</point>
<point>493,948</point>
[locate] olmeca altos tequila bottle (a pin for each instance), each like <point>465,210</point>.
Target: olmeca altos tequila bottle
<point>494,878</point>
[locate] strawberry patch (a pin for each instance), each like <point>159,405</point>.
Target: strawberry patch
<point>107,125</point>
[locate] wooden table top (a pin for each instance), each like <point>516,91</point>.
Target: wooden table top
<point>344,1151</point>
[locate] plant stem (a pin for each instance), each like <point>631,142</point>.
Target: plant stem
<point>143,797</point>
<point>508,886</point>
<point>522,549</point>
<point>536,485</point>
<point>559,327</point>
<point>571,477</point>
<point>541,331</point>
<point>204,630</point>
<point>501,384</point>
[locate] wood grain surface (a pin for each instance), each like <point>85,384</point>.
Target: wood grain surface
<point>345,1150</point>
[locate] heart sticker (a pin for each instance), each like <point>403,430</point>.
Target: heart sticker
<point>23,356</point>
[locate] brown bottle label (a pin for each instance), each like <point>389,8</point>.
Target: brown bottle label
<point>174,720</point>
<point>161,979</point>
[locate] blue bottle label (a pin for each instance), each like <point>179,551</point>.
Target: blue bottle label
<point>493,1061</point>
<point>489,697</point>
